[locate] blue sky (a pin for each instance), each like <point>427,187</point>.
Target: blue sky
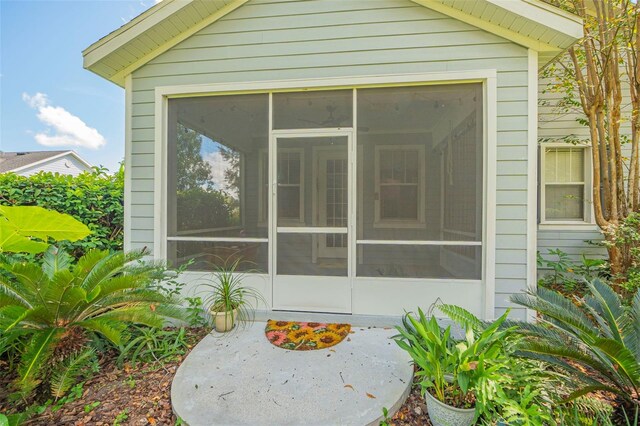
<point>47,100</point>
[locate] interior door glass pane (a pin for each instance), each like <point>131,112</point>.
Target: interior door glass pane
<point>312,181</point>
<point>301,254</point>
<point>420,163</point>
<point>564,202</point>
<point>215,146</point>
<point>313,109</point>
<point>419,261</point>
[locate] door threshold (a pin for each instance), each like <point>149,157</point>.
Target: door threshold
<point>357,320</point>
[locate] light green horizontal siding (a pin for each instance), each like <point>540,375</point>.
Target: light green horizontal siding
<point>573,242</point>
<point>273,40</point>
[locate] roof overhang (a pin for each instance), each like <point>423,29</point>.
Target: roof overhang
<point>49,159</point>
<point>530,23</point>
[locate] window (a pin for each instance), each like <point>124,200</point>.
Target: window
<point>399,184</point>
<point>564,185</point>
<point>213,153</point>
<point>420,172</point>
<point>290,186</point>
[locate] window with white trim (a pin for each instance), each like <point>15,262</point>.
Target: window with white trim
<point>290,186</point>
<point>564,184</point>
<point>399,184</point>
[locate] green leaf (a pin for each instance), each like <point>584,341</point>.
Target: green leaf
<point>12,241</point>
<point>55,260</point>
<point>34,221</point>
<point>67,371</point>
<point>34,358</point>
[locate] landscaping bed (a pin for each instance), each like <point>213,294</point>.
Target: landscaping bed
<point>131,395</point>
<point>141,395</point>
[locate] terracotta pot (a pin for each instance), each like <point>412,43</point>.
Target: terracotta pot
<point>442,414</point>
<point>224,321</point>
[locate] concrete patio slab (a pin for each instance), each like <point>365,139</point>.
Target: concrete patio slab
<point>242,379</point>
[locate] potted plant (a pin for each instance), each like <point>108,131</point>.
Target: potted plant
<point>229,301</point>
<point>451,372</point>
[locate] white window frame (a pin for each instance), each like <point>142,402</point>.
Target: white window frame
<point>263,219</point>
<point>480,294</point>
<point>419,222</point>
<point>588,218</point>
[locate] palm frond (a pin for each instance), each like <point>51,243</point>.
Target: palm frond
<point>556,307</point>
<point>111,329</point>
<point>34,358</point>
<point>65,373</point>
<point>55,260</point>
<point>108,266</point>
<point>608,304</point>
<point>461,316</point>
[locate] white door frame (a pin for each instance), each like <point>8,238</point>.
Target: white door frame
<point>321,292</point>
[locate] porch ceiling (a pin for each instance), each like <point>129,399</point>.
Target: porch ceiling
<point>531,23</point>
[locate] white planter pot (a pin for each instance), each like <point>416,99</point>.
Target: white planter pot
<point>442,414</point>
<point>224,321</point>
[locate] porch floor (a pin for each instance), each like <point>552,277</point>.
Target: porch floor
<point>242,379</point>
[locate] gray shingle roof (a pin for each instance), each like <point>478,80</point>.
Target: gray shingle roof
<point>13,160</point>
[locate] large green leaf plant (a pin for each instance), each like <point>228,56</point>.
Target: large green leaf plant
<point>27,229</point>
<point>462,372</point>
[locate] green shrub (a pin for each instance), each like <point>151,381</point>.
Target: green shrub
<point>95,199</point>
<point>596,341</point>
<point>59,307</point>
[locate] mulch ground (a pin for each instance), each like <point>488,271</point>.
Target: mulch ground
<point>141,395</point>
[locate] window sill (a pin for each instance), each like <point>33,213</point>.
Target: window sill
<point>568,226</point>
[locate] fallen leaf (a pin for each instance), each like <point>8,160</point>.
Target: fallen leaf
<point>349,386</point>
<point>151,420</point>
<point>371,396</point>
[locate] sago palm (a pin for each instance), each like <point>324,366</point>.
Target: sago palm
<point>56,306</point>
<point>596,340</point>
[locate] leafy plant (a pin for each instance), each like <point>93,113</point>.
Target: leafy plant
<point>121,417</point>
<point>27,229</point>
<point>95,199</point>
<point>569,276</point>
<point>148,344</point>
<point>90,407</point>
<point>455,372</point>
<point>226,292</point>
<point>58,305</point>
<point>596,341</point>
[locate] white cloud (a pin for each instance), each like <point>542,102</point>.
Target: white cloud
<point>64,128</point>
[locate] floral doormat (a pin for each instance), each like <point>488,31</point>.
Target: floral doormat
<point>305,336</point>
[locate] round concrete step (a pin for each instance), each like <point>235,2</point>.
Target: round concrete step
<point>241,379</point>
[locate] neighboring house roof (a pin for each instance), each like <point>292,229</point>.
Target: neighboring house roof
<point>17,161</point>
<point>531,23</point>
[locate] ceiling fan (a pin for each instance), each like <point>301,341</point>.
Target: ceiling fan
<point>332,121</point>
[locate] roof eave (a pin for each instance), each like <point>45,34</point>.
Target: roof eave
<point>567,26</point>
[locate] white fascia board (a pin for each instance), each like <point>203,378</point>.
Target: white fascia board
<point>519,7</point>
<point>544,14</point>
<point>131,30</point>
